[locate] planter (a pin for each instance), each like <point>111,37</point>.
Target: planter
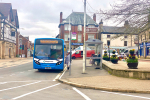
<point>132,65</point>
<point>115,61</point>
<point>107,59</point>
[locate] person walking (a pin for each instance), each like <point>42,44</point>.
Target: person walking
<point>67,60</point>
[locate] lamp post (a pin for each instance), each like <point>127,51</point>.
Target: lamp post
<point>109,49</point>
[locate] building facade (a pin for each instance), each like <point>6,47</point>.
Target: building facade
<point>116,37</point>
<point>8,29</point>
<point>77,28</point>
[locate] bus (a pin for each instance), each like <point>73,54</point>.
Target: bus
<point>48,54</point>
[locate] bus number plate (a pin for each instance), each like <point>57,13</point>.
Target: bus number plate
<point>47,67</point>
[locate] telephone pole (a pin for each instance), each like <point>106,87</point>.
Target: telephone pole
<point>84,36</point>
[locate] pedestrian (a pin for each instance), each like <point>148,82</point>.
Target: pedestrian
<point>137,53</point>
<point>98,60</point>
<point>67,60</point>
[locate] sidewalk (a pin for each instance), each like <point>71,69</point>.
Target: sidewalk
<point>102,80</point>
<point>14,62</point>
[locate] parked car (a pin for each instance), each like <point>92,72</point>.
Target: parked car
<point>79,54</point>
<point>126,52</point>
<point>79,48</point>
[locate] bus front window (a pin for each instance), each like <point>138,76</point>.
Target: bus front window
<point>48,52</point>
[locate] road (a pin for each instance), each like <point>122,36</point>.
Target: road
<point>22,82</point>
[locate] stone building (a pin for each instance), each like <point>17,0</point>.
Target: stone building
<point>8,29</point>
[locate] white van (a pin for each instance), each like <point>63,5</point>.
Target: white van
<point>126,52</point>
<point>110,52</point>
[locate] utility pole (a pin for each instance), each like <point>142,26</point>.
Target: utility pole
<point>84,36</point>
<point>70,46</point>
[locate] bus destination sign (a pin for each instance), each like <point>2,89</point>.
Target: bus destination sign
<point>48,41</point>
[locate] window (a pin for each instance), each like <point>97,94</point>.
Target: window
<point>149,35</point>
<point>79,27</point>
<point>90,36</point>
<point>66,37</point>
<point>108,36</point>
<point>12,33</point>
<point>141,38</point>
<point>108,42</point>
<point>67,27</point>
<point>125,43</point>
<point>125,37</point>
<point>79,38</point>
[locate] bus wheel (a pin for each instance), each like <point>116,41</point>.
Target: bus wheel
<point>73,57</point>
<point>39,70</point>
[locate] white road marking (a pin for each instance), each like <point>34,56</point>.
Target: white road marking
<point>1,77</point>
<point>127,95</point>
<point>83,95</point>
<point>23,81</point>
<point>21,72</point>
<point>29,70</point>
<point>34,92</point>
<point>63,72</point>
<point>19,86</point>
<point>57,77</point>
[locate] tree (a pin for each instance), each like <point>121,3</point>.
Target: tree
<point>136,12</point>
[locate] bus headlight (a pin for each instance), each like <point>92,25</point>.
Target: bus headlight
<point>59,62</point>
<point>37,62</point>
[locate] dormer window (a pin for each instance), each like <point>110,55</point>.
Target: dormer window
<point>67,27</point>
<point>79,27</point>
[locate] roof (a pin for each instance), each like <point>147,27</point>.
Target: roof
<point>77,18</point>
<point>93,41</point>
<point>15,16</point>
<point>5,9</point>
<point>117,30</point>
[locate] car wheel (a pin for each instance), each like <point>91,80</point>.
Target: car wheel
<point>73,57</point>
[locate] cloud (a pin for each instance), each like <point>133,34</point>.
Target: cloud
<point>40,18</point>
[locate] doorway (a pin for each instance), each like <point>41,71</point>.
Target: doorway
<point>9,52</point>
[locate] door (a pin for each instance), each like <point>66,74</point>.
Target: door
<point>9,52</point>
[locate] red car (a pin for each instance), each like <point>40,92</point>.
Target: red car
<point>79,54</point>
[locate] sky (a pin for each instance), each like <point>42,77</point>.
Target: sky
<point>40,18</point>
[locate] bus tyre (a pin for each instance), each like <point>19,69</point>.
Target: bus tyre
<point>73,57</point>
<point>39,70</point>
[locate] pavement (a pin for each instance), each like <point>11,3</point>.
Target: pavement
<point>11,62</point>
<point>101,80</point>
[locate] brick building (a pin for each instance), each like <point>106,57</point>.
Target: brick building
<point>24,50</point>
<point>77,27</point>
<point>8,29</point>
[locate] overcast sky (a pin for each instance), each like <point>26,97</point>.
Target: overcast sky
<point>40,18</point>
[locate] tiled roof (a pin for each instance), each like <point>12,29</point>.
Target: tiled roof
<point>77,18</point>
<point>117,30</point>
<point>5,9</point>
<point>15,16</point>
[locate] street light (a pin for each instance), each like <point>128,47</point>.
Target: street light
<point>108,43</point>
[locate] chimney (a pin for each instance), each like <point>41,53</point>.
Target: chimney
<point>94,17</point>
<point>126,24</point>
<point>61,16</point>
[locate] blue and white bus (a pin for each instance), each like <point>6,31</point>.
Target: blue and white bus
<point>48,54</point>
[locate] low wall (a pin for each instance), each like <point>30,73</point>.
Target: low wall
<point>145,75</point>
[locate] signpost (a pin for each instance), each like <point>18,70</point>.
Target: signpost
<point>74,35</point>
